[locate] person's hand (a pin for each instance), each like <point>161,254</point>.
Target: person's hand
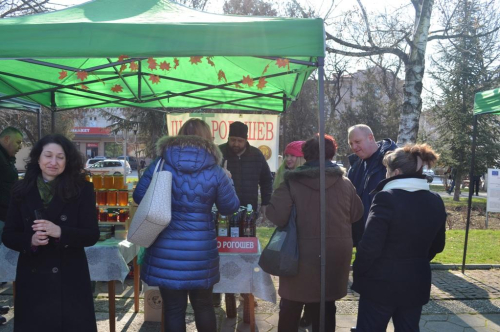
<point>263,212</point>
<point>39,239</point>
<point>226,171</point>
<point>49,228</point>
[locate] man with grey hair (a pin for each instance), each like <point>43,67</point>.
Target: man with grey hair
<point>366,169</point>
<point>10,143</point>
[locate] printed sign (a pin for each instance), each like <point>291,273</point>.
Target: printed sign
<point>238,245</point>
<point>263,130</point>
<point>493,198</point>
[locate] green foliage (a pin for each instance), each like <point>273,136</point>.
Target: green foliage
<point>465,66</point>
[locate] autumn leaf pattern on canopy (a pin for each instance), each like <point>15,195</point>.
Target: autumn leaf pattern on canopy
<point>248,81</point>
<point>63,74</point>
<point>165,66</point>
<point>82,75</point>
<point>155,79</point>
<point>195,60</point>
<point>117,88</point>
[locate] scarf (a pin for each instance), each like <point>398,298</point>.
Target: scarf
<point>46,190</point>
<point>409,184</point>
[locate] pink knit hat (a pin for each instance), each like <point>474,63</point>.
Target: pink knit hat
<point>295,149</point>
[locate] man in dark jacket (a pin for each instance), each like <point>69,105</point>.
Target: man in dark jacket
<point>10,143</point>
<point>248,167</point>
<point>366,169</point>
<point>249,170</point>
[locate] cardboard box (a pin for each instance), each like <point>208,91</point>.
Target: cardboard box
<point>152,303</point>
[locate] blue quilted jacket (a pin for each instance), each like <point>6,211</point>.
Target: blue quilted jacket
<point>185,256</point>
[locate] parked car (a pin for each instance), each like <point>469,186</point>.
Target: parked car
<point>109,166</point>
<point>131,160</point>
<point>92,161</point>
<point>429,174</point>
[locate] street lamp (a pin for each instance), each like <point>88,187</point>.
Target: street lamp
<point>124,140</point>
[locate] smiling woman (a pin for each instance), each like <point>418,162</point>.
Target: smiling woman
<point>51,219</point>
<point>52,161</point>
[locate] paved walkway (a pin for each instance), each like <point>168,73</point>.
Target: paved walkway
<point>469,302</point>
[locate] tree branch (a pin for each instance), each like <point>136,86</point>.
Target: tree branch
<point>367,25</point>
<point>367,50</point>
<point>462,35</point>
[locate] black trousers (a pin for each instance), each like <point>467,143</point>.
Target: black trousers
<point>374,317</point>
<point>290,311</point>
<point>175,304</point>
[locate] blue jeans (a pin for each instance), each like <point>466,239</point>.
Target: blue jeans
<point>175,304</point>
<point>374,317</point>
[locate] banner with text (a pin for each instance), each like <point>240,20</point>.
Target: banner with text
<point>263,130</point>
<point>493,199</point>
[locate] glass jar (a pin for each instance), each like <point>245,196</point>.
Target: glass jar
<point>123,215</point>
<point>97,181</point>
<point>101,197</point>
<point>103,215</point>
<point>123,197</point>
<point>111,197</point>
<point>112,216</point>
<point>118,181</point>
<point>87,177</point>
<point>108,181</point>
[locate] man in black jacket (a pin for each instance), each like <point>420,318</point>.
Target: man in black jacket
<point>366,169</point>
<point>10,143</point>
<point>248,167</point>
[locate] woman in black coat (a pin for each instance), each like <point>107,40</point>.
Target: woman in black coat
<point>52,217</point>
<point>404,231</point>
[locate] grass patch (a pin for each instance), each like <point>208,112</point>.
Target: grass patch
<point>483,246</point>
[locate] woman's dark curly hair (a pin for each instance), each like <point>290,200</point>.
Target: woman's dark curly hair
<point>68,184</point>
<point>311,148</point>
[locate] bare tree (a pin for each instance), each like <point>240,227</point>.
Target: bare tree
<point>9,8</point>
<point>359,34</point>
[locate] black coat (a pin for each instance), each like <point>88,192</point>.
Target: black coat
<point>53,289</point>
<point>8,176</point>
<point>404,231</point>
<point>249,171</point>
<point>366,180</point>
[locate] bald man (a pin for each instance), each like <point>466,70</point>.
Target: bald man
<point>366,169</point>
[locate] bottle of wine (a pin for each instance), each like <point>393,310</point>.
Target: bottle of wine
<point>223,226</point>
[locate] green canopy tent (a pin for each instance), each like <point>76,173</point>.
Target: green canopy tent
<point>486,102</point>
<point>158,54</point>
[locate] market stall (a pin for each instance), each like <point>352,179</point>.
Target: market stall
<point>159,55</point>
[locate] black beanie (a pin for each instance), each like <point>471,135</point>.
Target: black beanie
<point>238,129</point>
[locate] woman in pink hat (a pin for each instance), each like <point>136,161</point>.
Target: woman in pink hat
<point>293,158</point>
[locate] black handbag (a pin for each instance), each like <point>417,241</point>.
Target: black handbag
<point>280,257</point>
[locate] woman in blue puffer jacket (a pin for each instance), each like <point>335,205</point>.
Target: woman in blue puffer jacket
<point>184,259</point>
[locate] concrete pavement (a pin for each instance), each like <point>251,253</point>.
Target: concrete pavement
<point>469,302</point>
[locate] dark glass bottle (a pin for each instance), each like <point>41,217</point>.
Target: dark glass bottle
<point>249,228</point>
<point>234,225</point>
<point>223,226</point>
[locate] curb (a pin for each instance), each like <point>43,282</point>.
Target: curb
<point>467,266</point>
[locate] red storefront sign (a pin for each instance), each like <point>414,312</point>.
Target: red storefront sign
<point>237,245</point>
<point>91,131</point>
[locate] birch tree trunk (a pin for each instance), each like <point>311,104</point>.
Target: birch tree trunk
<point>415,68</point>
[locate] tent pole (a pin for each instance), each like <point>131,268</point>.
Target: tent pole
<point>471,189</point>
<point>39,119</point>
<point>322,188</point>
<point>52,113</point>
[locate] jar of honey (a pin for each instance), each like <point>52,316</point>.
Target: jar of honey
<point>123,197</point>
<point>123,215</point>
<point>97,181</point>
<point>103,215</point>
<point>87,177</point>
<point>112,216</point>
<point>108,181</point>
<point>111,197</point>
<point>118,181</point>
<point>101,197</point>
